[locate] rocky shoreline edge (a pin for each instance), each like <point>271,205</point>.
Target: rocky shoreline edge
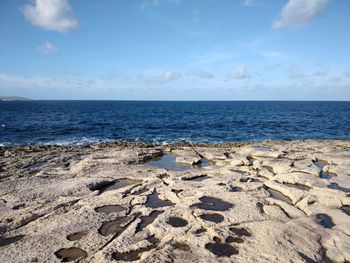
<point>268,201</point>
<point>125,143</point>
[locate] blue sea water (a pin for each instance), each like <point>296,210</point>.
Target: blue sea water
<point>83,122</point>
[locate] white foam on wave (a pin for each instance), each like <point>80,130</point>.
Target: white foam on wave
<point>87,141</point>
<point>94,140</point>
<point>76,141</point>
<point>185,140</point>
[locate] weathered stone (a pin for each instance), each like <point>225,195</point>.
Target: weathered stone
<point>259,202</point>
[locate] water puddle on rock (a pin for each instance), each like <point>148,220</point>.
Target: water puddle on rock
<point>76,236</point>
<point>231,239</point>
<point>261,148</point>
<point>212,203</point>
<point>113,227</point>
<point>238,171</point>
<point>346,209</point>
<point>135,254</point>
<point>17,207</point>
<point>324,175</point>
<point>181,246</point>
<point>306,258</point>
<point>260,207</point>
<point>10,240</point>
<point>249,180</point>
<point>320,164</point>
<point>279,196</point>
<point>121,184</point>
<point>235,189</point>
<point>36,166</point>
<point>168,162</point>
<point>335,186</point>
<point>198,178</point>
<point>141,191</point>
<point>298,186</point>
<point>147,220</point>
<point>3,230</point>
<point>324,220</point>
<point>221,249</point>
<point>175,221</point>
<point>240,231</point>
<point>153,201</point>
<point>200,231</point>
<point>113,185</point>
<point>108,209</point>
<point>71,254</point>
<point>214,217</point>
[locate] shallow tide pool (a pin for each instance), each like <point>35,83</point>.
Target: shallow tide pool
<point>168,162</point>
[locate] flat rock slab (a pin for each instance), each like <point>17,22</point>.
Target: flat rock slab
<point>253,202</point>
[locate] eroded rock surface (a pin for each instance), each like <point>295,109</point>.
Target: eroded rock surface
<point>250,202</point>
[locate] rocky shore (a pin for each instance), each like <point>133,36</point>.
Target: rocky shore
<point>285,201</point>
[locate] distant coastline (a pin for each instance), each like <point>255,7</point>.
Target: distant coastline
<point>9,98</point>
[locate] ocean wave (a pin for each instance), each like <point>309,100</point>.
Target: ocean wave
<point>166,141</point>
<point>83,141</point>
<point>75,141</point>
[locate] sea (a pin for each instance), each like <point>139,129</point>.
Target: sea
<point>162,122</point>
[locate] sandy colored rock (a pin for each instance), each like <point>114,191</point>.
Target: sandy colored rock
<point>254,202</point>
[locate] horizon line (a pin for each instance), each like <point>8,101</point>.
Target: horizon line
<point>169,100</point>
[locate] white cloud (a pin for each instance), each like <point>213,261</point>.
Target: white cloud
<point>55,15</point>
<point>171,75</point>
<point>298,12</point>
<point>48,49</point>
<point>159,75</point>
<point>336,79</point>
<point>340,77</point>
<point>203,74</point>
<point>46,82</point>
<point>239,73</point>
<point>295,73</point>
<point>149,3</point>
<point>321,72</point>
<point>249,3</point>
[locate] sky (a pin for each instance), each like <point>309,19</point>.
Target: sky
<point>175,49</point>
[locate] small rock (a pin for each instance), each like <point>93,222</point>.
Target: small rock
<point>191,160</point>
<point>7,153</point>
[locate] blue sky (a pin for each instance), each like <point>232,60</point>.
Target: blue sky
<point>175,49</point>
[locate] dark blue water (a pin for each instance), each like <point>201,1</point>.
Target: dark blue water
<point>80,122</point>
